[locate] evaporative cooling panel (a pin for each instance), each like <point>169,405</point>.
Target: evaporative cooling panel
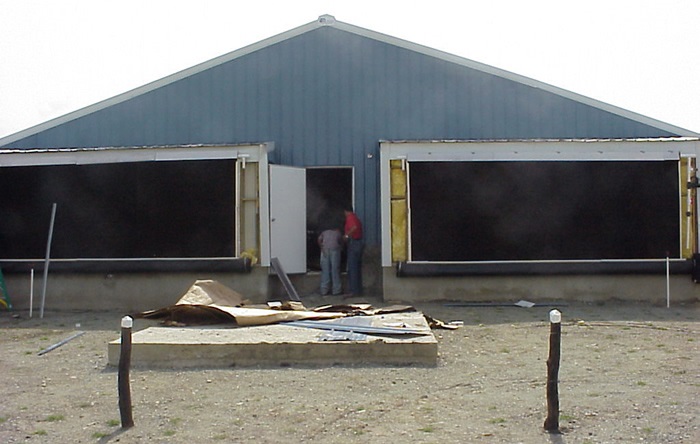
<point>511,211</point>
<point>119,210</point>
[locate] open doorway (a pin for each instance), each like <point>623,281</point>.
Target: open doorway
<point>328,190</point>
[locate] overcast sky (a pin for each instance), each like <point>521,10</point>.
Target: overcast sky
<point>641,55</point>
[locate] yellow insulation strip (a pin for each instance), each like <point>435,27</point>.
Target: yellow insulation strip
<point>398,180</point>
<point>399,246</point>
<point>688,212</point>
<point>399,212</point>
<point>249,212</point>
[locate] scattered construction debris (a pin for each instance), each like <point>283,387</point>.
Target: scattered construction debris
<point>282,344</point>
<point>278,333</point>
<point>208,302</point>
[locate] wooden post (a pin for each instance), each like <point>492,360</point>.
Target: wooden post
<point>123,382</point>
<point>551,424</point>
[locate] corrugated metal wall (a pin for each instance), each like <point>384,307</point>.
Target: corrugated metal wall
<point>326,97</point>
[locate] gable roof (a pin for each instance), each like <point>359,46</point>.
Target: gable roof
<point>328,20</point>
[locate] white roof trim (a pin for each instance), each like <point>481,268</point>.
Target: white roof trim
<point>541,150</point>
<point>326,20</point>
<point>85,156</point>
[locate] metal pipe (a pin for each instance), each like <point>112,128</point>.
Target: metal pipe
<point>135,265</point>
<point>543,268</point>
<point>58,344</point>
<point>31,292</point>
<point>335,326</point>
<point>47,259</point>
<point>668,284</point>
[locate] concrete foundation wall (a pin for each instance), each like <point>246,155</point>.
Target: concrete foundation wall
<point>133,292</point>
<point>146,291</point>
<point>583,288</point>
<point>130,292</point>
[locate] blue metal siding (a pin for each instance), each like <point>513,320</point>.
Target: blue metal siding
<point>326,97</point>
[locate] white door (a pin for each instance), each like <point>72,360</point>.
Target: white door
<point>288,217</point>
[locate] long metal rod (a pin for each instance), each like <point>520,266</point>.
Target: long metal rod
<point>124,259</point>
<point>58,344</point>
<point>47,259</point>
<point>222,258</point>
<point>286,283</point>
<point>31,292</point>
<point>668,285</point>
<point>357,328</point>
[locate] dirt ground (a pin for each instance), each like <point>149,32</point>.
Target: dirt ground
<point>629,373</point>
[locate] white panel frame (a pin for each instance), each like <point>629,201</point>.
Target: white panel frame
<point>255,154</point>
<point>86,156</point>
<point>519,150</point>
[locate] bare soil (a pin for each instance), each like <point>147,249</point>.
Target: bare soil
<point>629,373</point>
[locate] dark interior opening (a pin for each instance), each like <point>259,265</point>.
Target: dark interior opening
<point>120,210</point>
<point>328,191</point>
<point>513,211</point>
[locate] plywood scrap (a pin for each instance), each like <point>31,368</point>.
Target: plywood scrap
<point>436,323</point>
<point>365,309</point>
<point>209,302</point>
<point>182,314</point>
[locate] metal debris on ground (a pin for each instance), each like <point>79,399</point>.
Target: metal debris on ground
<point>336,326</point>
<point>58,344</point>
<point>342,336</point>
<point>286,283</point>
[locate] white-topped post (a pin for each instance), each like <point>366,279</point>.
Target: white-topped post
<point>551,424</point>
<point>123,383</point>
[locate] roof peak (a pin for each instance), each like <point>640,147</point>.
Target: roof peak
<point>326,19</point>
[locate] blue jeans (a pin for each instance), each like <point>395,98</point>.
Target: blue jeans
<point>355,248</point>
<point>330,271</point>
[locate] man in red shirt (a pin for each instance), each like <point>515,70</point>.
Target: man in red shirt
<point>353,237</point>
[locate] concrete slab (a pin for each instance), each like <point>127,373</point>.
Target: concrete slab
<point>279,345</point>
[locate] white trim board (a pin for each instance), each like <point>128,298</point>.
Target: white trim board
<point>541,150</point>
<point>85,156</point>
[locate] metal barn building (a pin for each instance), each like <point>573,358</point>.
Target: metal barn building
<point>473,183</point>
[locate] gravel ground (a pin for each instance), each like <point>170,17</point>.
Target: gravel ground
<point>629,373</point>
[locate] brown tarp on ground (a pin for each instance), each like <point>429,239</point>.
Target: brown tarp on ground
<point>209,302</point>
